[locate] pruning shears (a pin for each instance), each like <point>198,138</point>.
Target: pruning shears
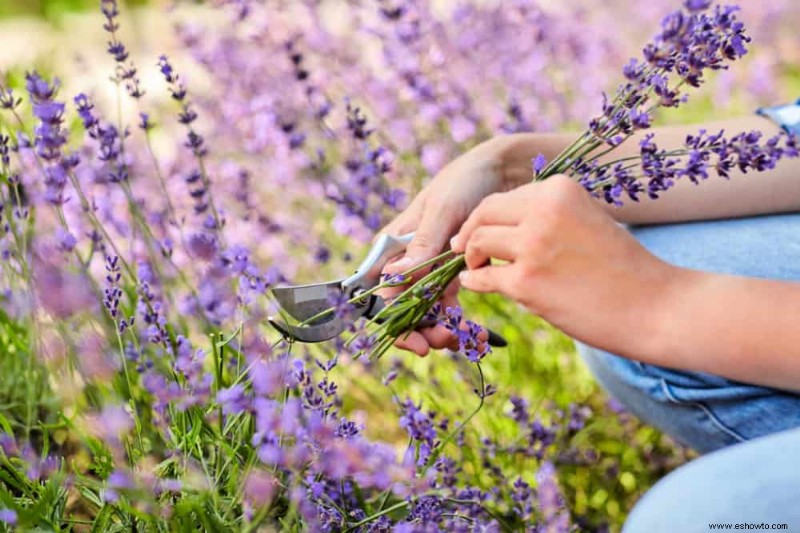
<point>308,303</point>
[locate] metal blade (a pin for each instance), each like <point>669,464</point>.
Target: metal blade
<point>301,302</point>
<point>317,333</point>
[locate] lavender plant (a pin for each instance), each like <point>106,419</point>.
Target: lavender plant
<point>142,303</point>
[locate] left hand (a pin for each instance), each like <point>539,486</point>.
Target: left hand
<point>568,262</point>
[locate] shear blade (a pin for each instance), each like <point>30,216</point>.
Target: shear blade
<point>315,333</point>
<point>302,302</point>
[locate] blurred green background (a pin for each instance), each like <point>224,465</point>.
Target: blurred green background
<point>52,8</point>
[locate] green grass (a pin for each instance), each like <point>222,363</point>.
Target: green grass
<point>27,403</point>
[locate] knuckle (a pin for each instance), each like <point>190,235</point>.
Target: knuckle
<point>421,240</point>
<point>473,253</point>
<point>494,200</point>
<point>478,238</point>
<point>521,277</point>
<point>564,190</point>
<point>537,239</point>
<point>443,210</point>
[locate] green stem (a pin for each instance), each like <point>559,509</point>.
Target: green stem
<point>369,519</point>
<point>440,448</point>
<point>380,286</point>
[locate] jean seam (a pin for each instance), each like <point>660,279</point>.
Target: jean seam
<point>720,425</point>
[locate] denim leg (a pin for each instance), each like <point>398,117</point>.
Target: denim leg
<point>752,483</point>
<point>704,411</point>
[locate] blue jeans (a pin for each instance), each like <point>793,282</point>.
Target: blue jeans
<point>709,412</point>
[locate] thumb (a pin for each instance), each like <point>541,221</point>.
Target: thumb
<point>429,240</point>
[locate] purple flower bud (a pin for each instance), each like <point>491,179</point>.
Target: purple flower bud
<point>40,90</point>
<point>697,5</point>
<point>8,517</point>
<point>539,162</point>
<point>9,445</point>
<point>233,400</point>
<point>8,100</point>
<point>66,240</point>
<point>144,122</point>
<point>203,246</point>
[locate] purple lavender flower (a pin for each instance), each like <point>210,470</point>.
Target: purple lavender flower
<point>109,139</point>
<point>39,89</point>
<point>8,517</point>
<point>691,42</point>
<point>5,158</point>
<point>468,337</point>
<point>394,279</point>
<point>339,302</point>
<point>233,400</point>
<point>470,345</point>
<point>8,100</point>
<point>522,496</point>
<point>9,445</point>
<point>66,241</point>
<point>186,116</point>
<point>701,155</point>
<point>449,317</point>
<point>49,135</point>
<point>520,412</point>
<point>697,5</point>
<point>112,292</point>
<point>364,192</point>
<point>86,113</point>
<point>112,423</point>
<point>539,163</point>
<point>145,124</point>
<point>420,428</point>
<point>152,312</point>
<point>259,488</point>
<point>427,510</point>
<point>577,417</point>
<point>555,517</point>
<point>126,71</point>
<point>203,245</point>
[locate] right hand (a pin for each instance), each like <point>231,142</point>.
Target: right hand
<point>435,215</point>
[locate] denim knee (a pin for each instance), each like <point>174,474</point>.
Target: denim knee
<point>700,410</point>
<point>755,483</point>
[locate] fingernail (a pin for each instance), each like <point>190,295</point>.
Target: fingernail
<point>463,275</point>
<point>453,243</point>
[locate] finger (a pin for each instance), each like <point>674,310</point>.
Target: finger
<point>487,279</point>
<point>436,226</point>
<point>494,210</point>
<point>438,337</point>
<point>413,341</point>
<point>406,221</point>
<point>488,242</point>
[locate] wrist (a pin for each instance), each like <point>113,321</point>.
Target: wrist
<point>514,153</point>
<point>659,311</point>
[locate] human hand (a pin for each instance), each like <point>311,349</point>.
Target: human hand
<point>567,260</point>
<point>435,215</point>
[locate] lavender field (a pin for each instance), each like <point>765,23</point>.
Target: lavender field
<point>162,167</point>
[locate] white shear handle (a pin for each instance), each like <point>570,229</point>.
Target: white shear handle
<point>368,273</point>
